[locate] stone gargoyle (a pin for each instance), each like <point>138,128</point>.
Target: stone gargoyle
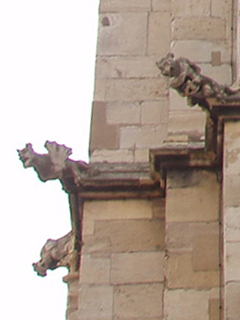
<point>186,78</point>
<point>55,164</point>
<point>56,253</point>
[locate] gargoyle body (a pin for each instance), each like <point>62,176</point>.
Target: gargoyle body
<point>55,164</point>
<point>186,78</point>
<point>55,253</point>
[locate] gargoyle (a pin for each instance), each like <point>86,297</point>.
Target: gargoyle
<point>55,164</point>
<point>56,253</point>
<point>186,78</point>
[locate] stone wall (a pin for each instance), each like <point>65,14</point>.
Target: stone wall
<point>133,109</point>
<point>121,275</point>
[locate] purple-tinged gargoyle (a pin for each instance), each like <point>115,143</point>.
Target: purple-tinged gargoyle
<point>53,165</point>
<point>56,253</point>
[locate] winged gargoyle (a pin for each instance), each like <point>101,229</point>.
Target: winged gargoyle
<point>186,78</point>
<point>56,253</point>
<point>55,164</point>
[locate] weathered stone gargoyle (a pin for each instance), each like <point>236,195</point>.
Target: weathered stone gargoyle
<point>56,253</point>
<point>185,77</point>
<point>55,164</point>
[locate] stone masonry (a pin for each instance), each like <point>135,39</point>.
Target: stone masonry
<point>173,257</point>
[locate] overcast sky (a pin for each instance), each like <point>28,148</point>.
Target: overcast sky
<point>47,56</point>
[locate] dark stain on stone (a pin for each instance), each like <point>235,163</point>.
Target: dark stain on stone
<point>105,22</point>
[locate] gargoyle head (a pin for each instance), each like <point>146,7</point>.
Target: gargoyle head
<point>26,155</point>
<point>166,65</point>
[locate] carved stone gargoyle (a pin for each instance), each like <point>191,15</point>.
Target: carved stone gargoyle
<point>56,253</point>
<point>55,164</point>
<point>186,78</point>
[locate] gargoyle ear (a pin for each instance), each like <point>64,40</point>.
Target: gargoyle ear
<point>170,55</point>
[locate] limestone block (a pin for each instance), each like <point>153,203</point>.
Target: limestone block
<point>190,122</point>
<point>222,74</point>
<point>122,34</point>
<point>191,8</point>
<point>103,135</point>
<point>138,301</point>
<point>196,202</point>
<point>178,103</point>
<point>154,112</point>
<point>188,304</point>
<point>180,273</point>
<point>94,270</point>
<point>221,8</point>
<point>135,89</point>
<point>232,223</point>
<point>127,67</point>
<point>200,51</point>
<point>231,190</point>
<point>137,267</point>
<point>96,302</point>
<point>232,270</point>
<point>125,236</point>
<point>158,208</point>
<point>159,33</point>
<point>123,113</point>
<point>141,155</point>
<point>205,255</point>
<point>112,156</point>
<point>163,5</point>
<point>114,210</point>
<point>180,235</point>
<point>232,300</point>
<point>143,137</point>
<point>130,5</point>
<point>202,28</point>
<point>232,137</point>
<point>214,309</point>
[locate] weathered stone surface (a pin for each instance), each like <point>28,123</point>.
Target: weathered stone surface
<point>163,5</point>
<point>96,302</point>
<point>232,300</point>
<point>221,74</point>
<point>112,156</point>
<point>114,210</point>
<point>221,8</point>
<point>141,155</point>
<point>180,273</point>
<point>198,202</point>
<point>119,5</point>
<point>94,270</point>
<point>154,112</point>
<point>191,122</point>
<point>134,89</point>
<point>103,135</point>
<point>123,113</point>
<point>136,301</point>
<point>188,304</point>
<point>177,103</point>
<point>122,34</point>
<point>191,8</point>
<point>137,267</point>
<point>200,51</point>
<point>232,256</point>
<point>142,137</point>
<point>159,33</point>
<point>158,208</point>
<point>205,255</point>
<point>120,67</point>
<point>232,226</point>
<point>125,236</point>
<point>194,28</point>
<point>231,190</point>
<point>214,309</point>
<point>180,235</point>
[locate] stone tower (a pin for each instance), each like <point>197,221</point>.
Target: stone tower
<point>155,215</point>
